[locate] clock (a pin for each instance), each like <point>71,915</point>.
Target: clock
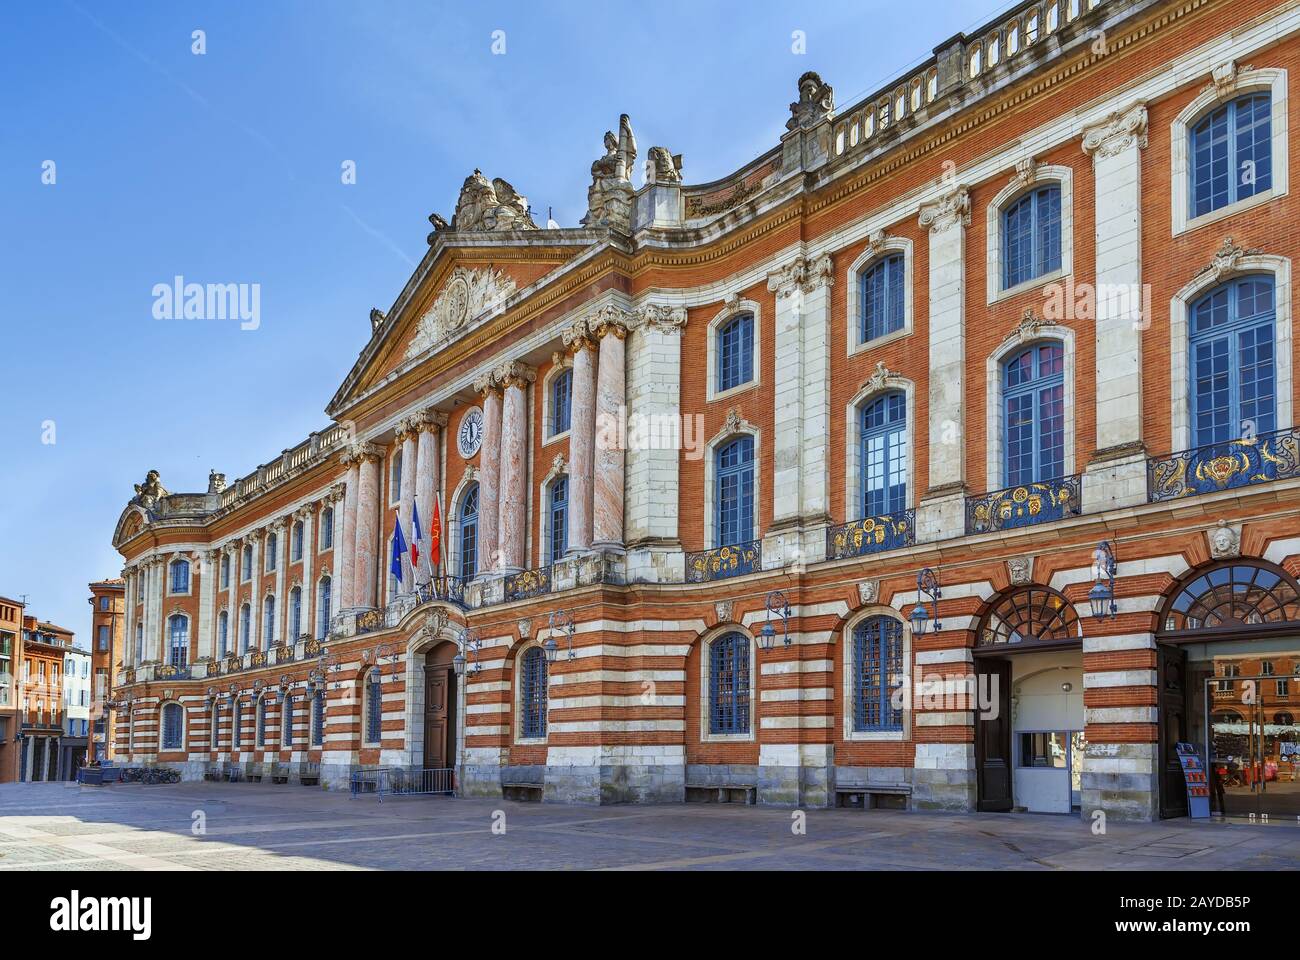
<point>470,435</point>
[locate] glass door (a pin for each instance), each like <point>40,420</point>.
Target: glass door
<point>1254,747</point>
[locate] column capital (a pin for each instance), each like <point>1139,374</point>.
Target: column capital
<point>578,336</point>
<point>337,493</point>
<point>950,210</point>
<point>609,319</point>
<point>1120,130</point>
<point>432,419</point>
<point>486,383</point>
<point>660,317</point>
<point>515,374</point>
<point>305,511</point>
<point>360,451</point>
<point>803,274</point>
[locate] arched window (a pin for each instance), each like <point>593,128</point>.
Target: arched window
<point>1033,412</point>
<point>173,726</point>
<point>295,614</point>
<point>729,684</point>
<point>262,710</point>
<point>318,717</point>
<point>878,669</point>
<point>286,721</point>
<point>225,571</point>
<point>268,620</point>
<point>295,541</point>
<point>1235,596</point>
<point>469,534</point>
<point>532,694</point>
<point>215,721</point>
<point>881,295</point>
<point>395,477</point>
<point>1031,236</point>
<point>223,633</point>
<point>246,563</point>
<point>884,456</point>
<point>1232,362</point>
<point>1231,153</point>
<point>245,628</point>
<point>561,402</point>
<point>327,528</point>
<point>557,539</point>
<point>178,635</point>
<point>374,706</point>
<point>734,497</point>
<point>272,548</point>
<point>180,576</point>
<point>323,606</point>
<point>1029,615</point>
<point>736,352</point>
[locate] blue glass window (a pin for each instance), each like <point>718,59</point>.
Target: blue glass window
<point>1031,236</point>
<point>261,721</point>
<point>223,633</point>
<point>268,621</point>
<point>734,501</point>
<point>295,614</point>
<point>374,706</point>
<point>877,669</point>
<point>173,732</point>
<point>1232,362</point>
<point>561,402</point>
<point>246,564</point>
<point>469,534</point>
<point>736,352</point>
<point>295,542</point>
<point>180,576</point>
<point>178,631</point>
<point>729,684</point>
<point>532,694</point>
<point>318,718</point>
<point>245,628</point>
<point>881,293</point>
<point>225,570</point>
<point>286,721</point>
<point>884,456</point>
<point>327,528</point>
<point>558,539</point>
<point>1231,153</point>
<point>1033,426</point>
<point>323,626</point>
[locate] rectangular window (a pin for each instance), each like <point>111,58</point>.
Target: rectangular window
<point>736,352</point>
<point>1048,749</point>
<point>101,638</point>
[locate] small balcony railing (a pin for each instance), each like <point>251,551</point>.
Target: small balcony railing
<point>871,535</point>
<point>174,671</point>
<point>1224,466</point>
<point>1024,506</point>
<point>447,589</point>
<point>528,583</point>
<point>734,560</point>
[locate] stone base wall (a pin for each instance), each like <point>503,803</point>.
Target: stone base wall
<point>1120,780</point>
<point>944,777</point>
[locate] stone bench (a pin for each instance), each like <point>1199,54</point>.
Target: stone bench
<point>745,793</point>
<point>868,796</point>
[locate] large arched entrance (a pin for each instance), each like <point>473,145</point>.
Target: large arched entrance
<point>440,706</point>
<point>1229,682</point>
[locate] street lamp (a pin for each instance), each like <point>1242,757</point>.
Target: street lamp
<point>1102,595</point>
<point>927,585</point>
<point>561,620</point>
<point>468,640</point>
<point>777,603</point>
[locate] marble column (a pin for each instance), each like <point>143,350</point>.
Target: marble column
<point>610,327</point>
<point>582,436</point>
<point>512,523</point>
<point>407,435</point>
<point>365,564</point>
<point>345,547</point>
<point>427,474</point>
<point>489,479</point>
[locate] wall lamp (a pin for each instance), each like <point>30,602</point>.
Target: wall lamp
<point>927,585</point>
<point>468,640</point>
<point>776,603</point>
<point>1102,595</point>
<point>561,620</point>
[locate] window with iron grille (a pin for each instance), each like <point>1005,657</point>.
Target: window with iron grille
<point>734,506</point>
<point>1031,236</point>
<point>286,721</point>
<point>736,352</point>
<point>533,694</point>
<point>561,402</point>
<point>1034,415</point>
<point>884,456</point>
<point>374,706</point>
<point>558,534</point>
<point>236,722</point>
<point>469,534</point>
<point>881,294</point>
<point>1231,152</point>
<point>318,718</point>
<point>877,669</point>
<point>216,724</point>
<point>173,726</point>
<point>729,684</point>
<point>295,541</point>
<point>178,628</point>
<point>1233,382</point>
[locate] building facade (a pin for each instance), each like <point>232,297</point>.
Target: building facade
<point>74,745</point>
<point>41,733</point>
<point>107,602</point>
<point>11,658</point>
<point>942,455</point>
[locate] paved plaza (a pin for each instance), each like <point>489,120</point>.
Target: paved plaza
<point>287,827</point>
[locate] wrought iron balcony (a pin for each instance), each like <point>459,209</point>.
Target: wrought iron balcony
<point>173,671</point>
<point>1024,505</point>
<point>871,535</point>
<point>734,560</point>
<point>447,589</point>
<point>1225,466</point>
<point>528,583</point>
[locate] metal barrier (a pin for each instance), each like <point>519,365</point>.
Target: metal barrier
<point>401,782</point>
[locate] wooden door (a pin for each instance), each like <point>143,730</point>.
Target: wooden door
<point>1171,685</point>
<point>437,716</point>
<point>993,758</point>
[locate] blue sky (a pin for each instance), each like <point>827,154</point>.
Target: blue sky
<point>226,168</point>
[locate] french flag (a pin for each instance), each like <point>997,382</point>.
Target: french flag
<point>417,538</point>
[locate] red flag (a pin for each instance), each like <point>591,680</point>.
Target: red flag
<point>435,535</point>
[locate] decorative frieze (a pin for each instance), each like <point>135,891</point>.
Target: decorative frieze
<point>468,294</point>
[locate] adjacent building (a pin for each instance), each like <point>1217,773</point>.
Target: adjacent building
<point>41,732</point>
<point>11,658</point>
<point>943,454</point>
<point>107,598</point>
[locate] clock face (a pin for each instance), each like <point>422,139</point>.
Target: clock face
<point>470,435</point>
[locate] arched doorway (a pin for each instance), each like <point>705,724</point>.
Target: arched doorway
<point>440,706</point>
<point>1233,628</point>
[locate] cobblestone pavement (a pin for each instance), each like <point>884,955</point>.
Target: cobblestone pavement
<point>288,827</point>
